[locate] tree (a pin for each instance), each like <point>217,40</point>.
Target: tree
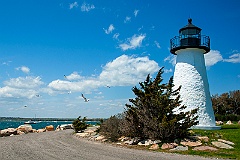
<point>79,125</point>
<point>110,127</point>
<point>156,112</point>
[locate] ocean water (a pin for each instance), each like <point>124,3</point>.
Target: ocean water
<point>39,125</point>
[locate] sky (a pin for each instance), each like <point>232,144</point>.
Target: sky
<point>52,52</point>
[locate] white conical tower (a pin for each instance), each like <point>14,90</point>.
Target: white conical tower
<point>190,73</point>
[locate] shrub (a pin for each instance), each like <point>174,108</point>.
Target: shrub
<point>110,127</point>
<point>153,112</point>
<point>79,125</point>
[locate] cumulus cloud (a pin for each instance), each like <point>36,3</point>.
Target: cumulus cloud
<point>212,57</point>
<point>110,29</point>
<point>122,71</point>
<point>235,58</point>
<point>73,5</point>
<point>23,69</point>
<point>24,82</point>
<point>127,19</point>
<point>127,70</point>
<point>73,76</point>
<point>26,87</point>
<point>133,42</point>
<point>87,7</point>
<point>136,12</point>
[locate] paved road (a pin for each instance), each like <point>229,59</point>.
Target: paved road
<point>63,145</point>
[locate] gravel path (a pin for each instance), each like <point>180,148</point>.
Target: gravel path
<point>63,145</point>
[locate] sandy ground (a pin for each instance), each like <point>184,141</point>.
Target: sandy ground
<point>63,145</point>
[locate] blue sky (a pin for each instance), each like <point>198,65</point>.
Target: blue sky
<point>96,44</point>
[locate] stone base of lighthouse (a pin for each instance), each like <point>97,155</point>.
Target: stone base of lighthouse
<point>190,73</point>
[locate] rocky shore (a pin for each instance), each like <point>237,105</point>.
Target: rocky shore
<point>27,128</point>
<point>197,143</point>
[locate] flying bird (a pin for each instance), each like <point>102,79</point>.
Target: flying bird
<point>25,106</point>
<point>85,99</point>
<point>108,86</point>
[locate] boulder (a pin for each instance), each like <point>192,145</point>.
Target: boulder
<point>191,144</point>
<point>154,147</point>
<point>219,123</point>
<point>180,148</point>
<point>8,132</point>
<point>227,142</point>
<point>221,145</point>
<point>49,128</point>
<point>145,143</point>
<point>41,130</point>
<point>169,145</point>
<point>203,138</point>
<point>25,128</point>
<point>82,134</point>
<point>204,148</point>
<point>229,122</point>
<point>100,138</point>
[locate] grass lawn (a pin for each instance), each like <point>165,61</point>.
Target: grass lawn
<point>228,132</point>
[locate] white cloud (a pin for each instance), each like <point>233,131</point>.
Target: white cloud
<point>127,19</point>
<point>24,82</point>
<point>87,7</point>
<point>133,42</point>
<point>123,71</point>
<point>26,87</point>
<point>171,59</point>
<point>73,76</point>
<point>116,35</point>
<point>110,29</point>
<point>73,5</point>
<point>212,57</point>
<point>235,58</point>
<point>157,44</point>
<point>127,70</point>
<point>23,69</point>
<point>136,12</point>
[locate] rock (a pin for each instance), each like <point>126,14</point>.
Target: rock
<point>180,148</point>
<point>219,122</point>
<point>221,145</point>
<point>41,130</point>
<point>8,132</point>
<point>229,122</point>
<point>204,148</point>
<point>82,134</point>
<point>100,138</point>
<point>227,142</point>
<point>132,141</point>
<point>49,128</point>
<point>154,147</point>
<point>191,144</point>
<point>145,143</point>
<point>25,128</point>
<point>239,122</point>
<point>169,145</point>
<point>203,138</point>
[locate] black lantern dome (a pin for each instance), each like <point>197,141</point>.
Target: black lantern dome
<point>190,37</point>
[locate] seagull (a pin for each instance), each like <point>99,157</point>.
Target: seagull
<point>37,95</point>
<point>85,99</point>
<point>25,106</point>
<point>108,86</point>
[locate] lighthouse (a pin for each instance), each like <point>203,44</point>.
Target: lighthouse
<point>190,73</point>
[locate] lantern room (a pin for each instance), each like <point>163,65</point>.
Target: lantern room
<point>190,37</point>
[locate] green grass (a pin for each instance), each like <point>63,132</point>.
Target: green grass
<point>227,132</point>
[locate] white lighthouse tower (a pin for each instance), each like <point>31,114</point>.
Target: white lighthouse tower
<point>190,73</point>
